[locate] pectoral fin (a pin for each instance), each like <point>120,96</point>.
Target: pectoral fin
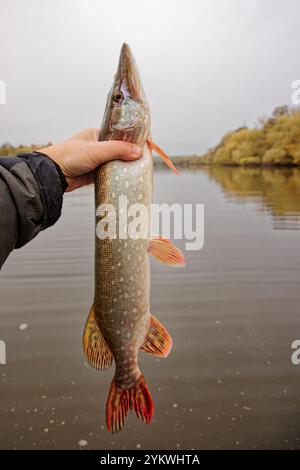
<point>95,348</point>
<point>157,341</point>
<point>162,154</point>
<point>165,251</point>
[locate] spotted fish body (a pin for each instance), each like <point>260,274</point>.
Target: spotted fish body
<point>122,272</point>
<point>120,324</point>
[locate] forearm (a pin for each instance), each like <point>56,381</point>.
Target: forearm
<point>32,185</point>
<point>31,193</point>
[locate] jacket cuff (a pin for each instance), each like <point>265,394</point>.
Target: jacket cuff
<point>52,184</point>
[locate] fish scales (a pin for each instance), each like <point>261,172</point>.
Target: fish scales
<point>122,272</point>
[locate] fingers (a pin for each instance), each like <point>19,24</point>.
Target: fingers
<point>91,133</point>
<point>100,152</point>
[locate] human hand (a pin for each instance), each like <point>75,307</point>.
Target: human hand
<point>81,154</point>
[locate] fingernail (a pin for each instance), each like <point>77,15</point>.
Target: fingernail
<point>136,151</point>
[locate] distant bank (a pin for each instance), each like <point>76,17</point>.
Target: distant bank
<point>274,142</point>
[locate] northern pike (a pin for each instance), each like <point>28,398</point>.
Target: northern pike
<point>120,324</point>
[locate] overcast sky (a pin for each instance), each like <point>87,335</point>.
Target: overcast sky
<point>207,65</point>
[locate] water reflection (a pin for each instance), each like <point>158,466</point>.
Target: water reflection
<point>277,190</point>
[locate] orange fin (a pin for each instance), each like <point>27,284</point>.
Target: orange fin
<point>121,400</point>
<point>163,155</point>
<point>157,341</point>
<point>95,347</point>
<point>164,251</point>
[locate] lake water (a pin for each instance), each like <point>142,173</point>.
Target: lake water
<point>233,313</point>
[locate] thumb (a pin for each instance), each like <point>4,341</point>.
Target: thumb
<point>101,152</point>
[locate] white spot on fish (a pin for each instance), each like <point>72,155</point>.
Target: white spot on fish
<point>126,295</point>
<point>82,443</point>
<point>23,326</point>
<point>119,264</point>
<point>116,178</point>
<point>127,184</point>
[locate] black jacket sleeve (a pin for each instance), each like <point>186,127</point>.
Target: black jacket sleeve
<point>31,194</point>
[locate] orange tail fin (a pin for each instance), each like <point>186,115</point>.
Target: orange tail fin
<point>120,401</point>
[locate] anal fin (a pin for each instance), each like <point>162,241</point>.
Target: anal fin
<point>157,341</point>
<point>95,348</point>
<point>165,251</point>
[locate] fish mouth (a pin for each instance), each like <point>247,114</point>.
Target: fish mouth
<point>127,77</point>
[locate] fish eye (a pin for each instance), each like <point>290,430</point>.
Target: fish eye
<point>118,97</point>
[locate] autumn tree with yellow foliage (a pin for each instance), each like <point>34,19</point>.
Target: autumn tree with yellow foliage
<point>275,142</point>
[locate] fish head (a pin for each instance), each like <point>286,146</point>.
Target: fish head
<point>127,115</point>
